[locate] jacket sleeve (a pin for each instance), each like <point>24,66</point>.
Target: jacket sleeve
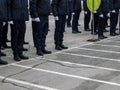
<point>99,11</point>
<point>111,4</point>
<point>54,5</point>
<point>9,10</point>
<point>85,5</point>
<point>73,5</point>
<point>33,8</point>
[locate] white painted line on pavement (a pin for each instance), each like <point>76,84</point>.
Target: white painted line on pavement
<point>100,50</point>
<point>45,55</point>
<point>107,45</point>
<point>79,55</point>
<point>83,65</point>
<point>27,83</point>
<point>113,40</point>
<point>69,75</point>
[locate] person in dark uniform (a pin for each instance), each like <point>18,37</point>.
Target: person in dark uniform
<point>114,8</point>
<point>4,36</point>
<point>76,9</point>
<point>19,16</point>
<point>70,13</point>
<point>60,10</point>
<point>102,12</point>
<point>40,10</point>
<point>87,16</point>
<point>4,4</point>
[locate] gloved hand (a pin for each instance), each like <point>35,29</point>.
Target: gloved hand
<point>10,22</point>
<point>108,14</point>
<point>85,12</point>
<point>26,22</point>
<point>66,16</point>
<point>101,15</point>
<point>113,11</point>
<point>37,19</point>
<point>4,23</point>
<point>56,18</point>
<point>95,12</point>
<point>73,13</point>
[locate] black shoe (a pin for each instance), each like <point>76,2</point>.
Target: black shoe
<point>102,37</point>
<point>75,32</point>
<point>17,58</point>
<point>58,48</point>
<point>69,26</point>
<point>105,36</point>
<point>3,62</point>
<point>6,46</point>
<point>23,57</point>
<point>48,29</point>
<point>88,29</point>
<point>79,32</point>
<point>105,30</point>
<point>112,34</point>
<point>46,51</point>
<point>2,54</point>
<point>25,43</point>
<point>39,52</point>
<point>8,40</point>
<point>2,48</point>
<point>63,47</point>
<point>117,34</point>
<point>24,49</point>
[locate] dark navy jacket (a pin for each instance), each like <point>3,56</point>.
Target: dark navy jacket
<point>4,10</point>
<point>19,10</point>
<point>60,7</point>
<point>39,8</point>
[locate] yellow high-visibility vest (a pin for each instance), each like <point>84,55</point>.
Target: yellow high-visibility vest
<point>93,5</point>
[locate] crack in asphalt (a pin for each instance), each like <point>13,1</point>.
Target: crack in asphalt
<point>61,64</point>
<point>14,84</point>
<point>5,79</point>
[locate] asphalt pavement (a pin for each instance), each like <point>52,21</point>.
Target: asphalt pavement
<point>84,66</point>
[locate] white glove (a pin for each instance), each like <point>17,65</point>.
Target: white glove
<point>101,15</point>
<point>95,12</point>
<point>66,16</point>
<point>37,19</point>
<point>26,22</point>
<point>10,22</point>
<point>85,12</point>
<point>73,13</point>
<point>113,11</point>
<point>4,23</point>
<point>56,18</point>
<point>108,15</point>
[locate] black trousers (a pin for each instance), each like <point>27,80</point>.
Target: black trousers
<point>17,36</point>
<point>96,18</point>
<point>1,27</point>
<point>4,34</point>
<point>75,20</point>
<point>101,24</point>
<point>40,31</point>
<point>113,21</point>
<point>87,20</point>
<point>69,18</point>
<point>59,30</point>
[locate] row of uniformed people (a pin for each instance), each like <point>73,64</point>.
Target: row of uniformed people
<point>16,13</point>
<point>108,8</point>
